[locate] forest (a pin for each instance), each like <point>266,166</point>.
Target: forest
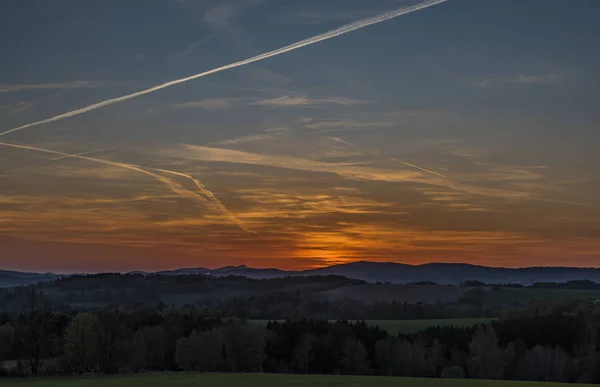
<point>557,343</point>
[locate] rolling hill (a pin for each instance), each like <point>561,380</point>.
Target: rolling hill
<point>397,273</point>
<point>372,272</point>
<point>10,278</point>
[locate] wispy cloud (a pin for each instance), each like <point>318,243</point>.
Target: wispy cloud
<point>245,139</point>
<point>211,154</point>
<point>192,47</point>
<point>176,188</point>
<point>207,104</point>
<point>11,88</point>
<point>222,15</point>
<point>340,125</point>
<point>300,17</point>
<point>292,101</point>
<point>519,80</point>
<point>16,108</point>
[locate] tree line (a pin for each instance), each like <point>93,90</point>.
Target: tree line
<point>561,345</point>
<point>572,285</point>
<point>219,298</point>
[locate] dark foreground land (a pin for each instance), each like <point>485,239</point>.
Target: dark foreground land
<point>132,324</point>
<point>258,380</point>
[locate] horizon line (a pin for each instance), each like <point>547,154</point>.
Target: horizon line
<point>133,271</point>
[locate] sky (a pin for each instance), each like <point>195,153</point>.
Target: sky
<point>466,131</point>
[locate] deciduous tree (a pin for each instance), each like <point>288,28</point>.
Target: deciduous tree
<point>7,337</point>
<point>80,342</point>
<point>486,359</point>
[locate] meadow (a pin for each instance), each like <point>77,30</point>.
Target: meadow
<point>511,297</point>
<point>257,380</point>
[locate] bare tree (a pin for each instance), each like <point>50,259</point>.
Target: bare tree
<point>7,337</point>
<point>303,350</point>
<point>34,339</point>
<point>546,364</point>
<point>80,342</point>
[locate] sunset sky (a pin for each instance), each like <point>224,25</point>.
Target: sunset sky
<point>467,131</point>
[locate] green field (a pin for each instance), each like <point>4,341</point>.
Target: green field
<point>510,297</point>
<point>394,327</point>
<point>255,380</point>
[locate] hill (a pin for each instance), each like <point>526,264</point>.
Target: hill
<point>10,278</point>
<point>372,272</point>
<point>397,273</point>
<point>240,271</point>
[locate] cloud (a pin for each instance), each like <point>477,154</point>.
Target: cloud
<point>176,188</point>
<point>207,104</point>
<point>519,80</point>
<point>16,108</point>
<point>210,154</point>
<point>193,47</point>
<point>292,101</point>
<point>300,17</point>
<point>270,205</point>
<point>269,77</point>
<point>222,15</point>
<point>246,139</point>
<point>12,88</point>
<point>537,79</point>
<point>338,125</point>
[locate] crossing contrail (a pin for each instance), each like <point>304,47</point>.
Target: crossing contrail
<point>303,43</point>
<point>220,206</point>
<point>80,154</point>
<point>175,188</point>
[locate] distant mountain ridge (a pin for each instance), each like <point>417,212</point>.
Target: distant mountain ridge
<point>9,278</point>
<point>455,273</point>
<point>395,273</point>
<point>398,273</point>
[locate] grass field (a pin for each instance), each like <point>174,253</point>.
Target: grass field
<point>256,380</point>
<point>411,326</point>
<point>508,297</point>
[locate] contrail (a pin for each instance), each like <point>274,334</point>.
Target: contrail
<point>175,188</point>
<point>392,159</point>
<point>303,43</point>
<point>413,166</point>
<point>458,187</point>
<point>218,204</point>
<point>80,154</point>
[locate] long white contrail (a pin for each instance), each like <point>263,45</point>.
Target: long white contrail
<point>175,188</point>
<point>316,39</point>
